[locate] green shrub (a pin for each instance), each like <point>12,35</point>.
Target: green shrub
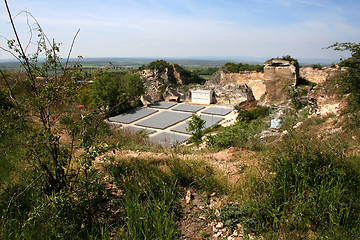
<point>236,68</point>
<point>316,66</point>
<point>256,113</point>
<point>237,135</point>
<point>158,64</point>
<point>34,215</point>
<point>195,127</point>
<point>349,81</point>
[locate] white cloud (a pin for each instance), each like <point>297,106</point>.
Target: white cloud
<point>185,28</point>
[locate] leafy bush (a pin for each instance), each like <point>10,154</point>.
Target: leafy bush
<point>238,135</point>
<point>115,94</point>
<point>62,215</point>
<point>289,58</point>
<point>317,66</point>
<point>349,81</point>
<point>195,126</point>
<point>187,76</point>
<point>158,64</point>
<point>207,71</point>
<point>256,113</point>
<point>236,68</point>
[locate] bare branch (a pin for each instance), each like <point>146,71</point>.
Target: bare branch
<point>27,63</point>
<point>72,45</point>
<point>8,51</point>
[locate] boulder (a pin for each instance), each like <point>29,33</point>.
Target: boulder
<point>146,100</point>
<point>171,94</point>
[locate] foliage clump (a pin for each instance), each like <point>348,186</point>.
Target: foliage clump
<point>236,68</point>
<point>256,113</point>
<point>115,94</point>
<point>195,127</point>
<point>158,64</point>
<point>237,135</point>
<point>187,76</point>
<point>349,81</point>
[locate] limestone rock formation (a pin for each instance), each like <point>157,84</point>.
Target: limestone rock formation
<point>278,75</point>
<point>158,82</point>
<point>243,77</point>
<point>319,75</point>
<point>146,100</point>
<point>174,94</point>
<point>268,87</point>
<point>228,93</point>
<point>323,104</point>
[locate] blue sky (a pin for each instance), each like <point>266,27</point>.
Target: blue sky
<point>188,28</point>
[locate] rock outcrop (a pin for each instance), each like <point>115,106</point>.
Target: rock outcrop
<point>229,93</point>
<point>175,94</point>
<point>159,82</point>
<point>268,87</point>
<point>323,104</point>
<point>243,77</point>
<point>278,75</point>
<point>319,75</point>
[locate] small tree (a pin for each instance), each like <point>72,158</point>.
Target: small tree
<point>134,86</point>
<point>195,126</point>
<point>50,91</point>
<point>349,81</point>
<point>116,93</point>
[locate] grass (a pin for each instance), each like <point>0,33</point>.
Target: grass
<point>12,153</point>
<point>151,192</point>
<point>311,187</point>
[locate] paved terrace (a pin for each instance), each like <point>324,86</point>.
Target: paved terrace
<point>166,122</point>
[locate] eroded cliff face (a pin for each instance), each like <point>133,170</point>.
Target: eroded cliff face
<point>279,74</point>
<point>243,77</point>
<point>158,82</point>
<point>155,81</point>
<point>319,75</point>
<point>267,88</point>
<point>229,93</point>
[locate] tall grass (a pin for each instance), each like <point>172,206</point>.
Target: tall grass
<point>151,192</point>
<point>150,200</point>
<point>311,186</point>
<point>12,140</point>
